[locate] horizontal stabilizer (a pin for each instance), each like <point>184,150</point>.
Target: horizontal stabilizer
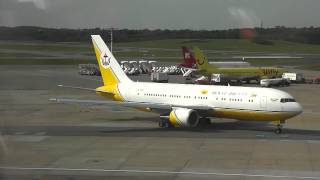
<point>83,88</point>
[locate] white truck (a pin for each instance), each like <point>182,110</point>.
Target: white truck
<point>294,77</point>
<point>159,77</point>
<point>274,82</point>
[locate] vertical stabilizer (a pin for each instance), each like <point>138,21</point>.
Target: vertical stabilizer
<point>111,71</point>
<point>188,59</point>
<point>201,61</point>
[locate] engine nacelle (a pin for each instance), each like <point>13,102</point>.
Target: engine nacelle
<point>182,117</point>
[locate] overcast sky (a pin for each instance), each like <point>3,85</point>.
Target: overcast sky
<point>160,14</point>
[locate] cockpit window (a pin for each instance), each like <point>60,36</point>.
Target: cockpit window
<point>284,100</point>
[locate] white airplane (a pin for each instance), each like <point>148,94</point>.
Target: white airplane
<point>185,105</point>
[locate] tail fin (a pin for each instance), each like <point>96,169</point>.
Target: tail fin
<point>201,60</point>
<point>189,60</point>
<point>111,71</point>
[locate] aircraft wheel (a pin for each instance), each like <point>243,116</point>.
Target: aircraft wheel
<point>204,122</point>
<point>258,81</point>
<point>161,124</point>
<point>166,125</point>
<point>278,130</point>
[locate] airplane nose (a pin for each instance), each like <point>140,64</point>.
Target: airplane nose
<point>298,109</point>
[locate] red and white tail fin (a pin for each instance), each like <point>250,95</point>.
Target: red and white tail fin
<point>188,58</point>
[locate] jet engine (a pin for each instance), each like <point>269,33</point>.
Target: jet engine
<point>182,117</point>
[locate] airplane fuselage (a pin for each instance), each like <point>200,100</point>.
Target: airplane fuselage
<point>245,72</point>
<point>243,103</point>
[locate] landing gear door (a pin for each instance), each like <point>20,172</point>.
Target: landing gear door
<point>263,101</point>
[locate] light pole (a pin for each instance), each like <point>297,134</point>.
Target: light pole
<point>111,39</point>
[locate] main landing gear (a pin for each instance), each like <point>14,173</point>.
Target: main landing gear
<point>164,123</point>
<point>278,129</point>
<point>204,121</point>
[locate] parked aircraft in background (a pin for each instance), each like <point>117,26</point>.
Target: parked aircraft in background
<point>186,105</point>
<point>266,57</point>
<point>188,58</point>
<point>189,61</point>
<point>244,74</point>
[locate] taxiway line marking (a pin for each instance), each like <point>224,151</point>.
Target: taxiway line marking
<point>159,172</point>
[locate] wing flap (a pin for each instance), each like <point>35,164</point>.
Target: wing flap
<point>102,102</point>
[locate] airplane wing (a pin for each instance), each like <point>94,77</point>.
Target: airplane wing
<point>129,104</point>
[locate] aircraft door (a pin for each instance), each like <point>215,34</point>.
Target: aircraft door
<point>263,101</point>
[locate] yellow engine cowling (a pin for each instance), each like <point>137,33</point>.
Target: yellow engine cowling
<point>182,117</point>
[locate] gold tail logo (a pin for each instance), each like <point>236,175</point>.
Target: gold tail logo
<point>200,62</point>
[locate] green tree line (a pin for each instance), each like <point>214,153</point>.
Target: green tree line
<point>309,35</point>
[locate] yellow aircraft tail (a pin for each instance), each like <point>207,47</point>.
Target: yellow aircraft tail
<point>111,72</point>
<point>201,60</point>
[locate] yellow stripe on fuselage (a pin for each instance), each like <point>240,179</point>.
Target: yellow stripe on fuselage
<point>251,115</point>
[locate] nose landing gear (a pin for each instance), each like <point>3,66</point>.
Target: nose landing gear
<point>278,129</point>
<point>279,125</point>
